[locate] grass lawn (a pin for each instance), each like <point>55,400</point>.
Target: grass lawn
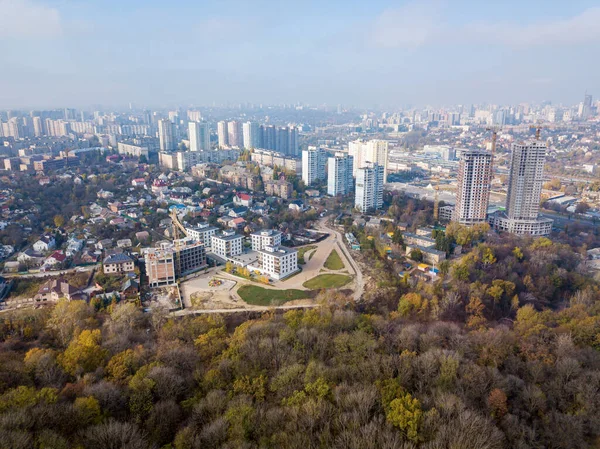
<point>259,296</point>
<point>334,262</point>
<point>327,281</point>
<point>302,251</point>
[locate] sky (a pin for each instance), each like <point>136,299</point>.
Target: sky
<point>85,53</point>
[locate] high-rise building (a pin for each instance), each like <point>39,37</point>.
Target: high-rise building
<point>473,192</point>
<point>369,188</point>
<point>373,151</point>
<point>524,192</point>
<point>251,132</point>
<point>234,133</point>
<point>355,149</point>
<point>222,134</point>
<point>269,137</point>
<point>283,140</point>
<point>339,176</point>
<point>199,134</point>
<point>293,147</point>
<point>313,165</point>
<point>166,135</point>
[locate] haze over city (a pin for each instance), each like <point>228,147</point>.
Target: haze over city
<point>156,53</point>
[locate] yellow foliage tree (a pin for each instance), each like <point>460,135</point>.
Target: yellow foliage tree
<point>84,353</point>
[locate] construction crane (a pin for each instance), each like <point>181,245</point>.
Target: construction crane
<point>538,130</point>
<point>177,227</point>
<point>494,130</point>
<point>436,198</point>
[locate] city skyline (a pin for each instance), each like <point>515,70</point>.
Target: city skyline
<point>382,53</point>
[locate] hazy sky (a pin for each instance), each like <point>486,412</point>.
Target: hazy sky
<point>110,52</point>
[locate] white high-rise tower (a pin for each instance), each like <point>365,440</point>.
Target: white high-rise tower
<point>473,192</point>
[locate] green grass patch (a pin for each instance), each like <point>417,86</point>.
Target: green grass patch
<point>259,296</point>
<point>327,281</point>
<point>334,262</point>
<point>302,251</point>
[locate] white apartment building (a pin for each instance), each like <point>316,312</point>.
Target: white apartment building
<point>313,165</point>
<point>339,174</point>
<point>202,233</point>
<point>251,135</point>
<point>222,134</point>
<point>199,134</point>
<point>132,150</point>
<point>369,188</point>
<point>267,237</point>
<point>524,192</point>
<point>277,262</point>
<point>373,151</point>
<point>227,244</point>
<point>166,135</point>
<point>473,192</point>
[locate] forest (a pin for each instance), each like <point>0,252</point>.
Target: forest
<point>500,352</point>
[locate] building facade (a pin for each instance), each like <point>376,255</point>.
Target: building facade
<point>524,192</point>
<point>227,244</point>
<point>473,192</point>
<point>313,165</point>
<point>267,237</point>
<point>166,135</point>
<point>199,134</point>
<point>339,174</point>
<point>369,188</point>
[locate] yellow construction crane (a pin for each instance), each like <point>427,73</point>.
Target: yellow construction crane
<point>436,198</point>
<point>177,226</point>
<point>494,130</point>
<point>538,130</point>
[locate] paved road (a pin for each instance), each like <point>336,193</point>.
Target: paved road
<point>244,309</point>
<point>345,253</point>
<point>51,273</point>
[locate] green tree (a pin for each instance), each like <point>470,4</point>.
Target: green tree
<point>406,414</point>
<point>416,255</point>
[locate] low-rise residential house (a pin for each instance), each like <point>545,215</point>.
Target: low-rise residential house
<point>87,257</point>
<point>238,212</point>
<point>118,263</point>
<point>131,287</point>
<point>104,244</point>
<point>296,205</point>
<point>242,199</point>
<point>142,236</point>
<point>56,258</point>
<point>138,182</point>
<point>45,243</point>
<point>105,194</point>
<point>31,257</point>
<point>124,243</point>
<point>55,289</point>
<point>236,223</point>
